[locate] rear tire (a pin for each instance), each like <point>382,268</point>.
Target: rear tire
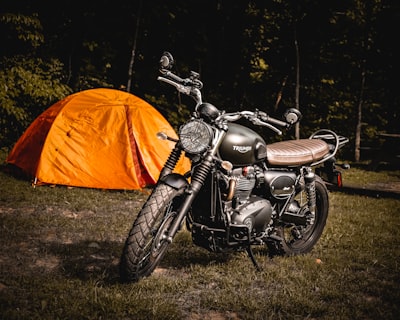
<point>146,244</point>
<point>293,239</point>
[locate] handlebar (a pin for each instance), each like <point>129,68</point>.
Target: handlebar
<point>171,75</point>
<point>256,117</point>
<point>180,87</point>
<point>191,86</point>
<point>192,81</point>
<point>267,118</point>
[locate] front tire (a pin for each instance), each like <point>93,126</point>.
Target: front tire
<point>290,239</point>
<point>146,244</point>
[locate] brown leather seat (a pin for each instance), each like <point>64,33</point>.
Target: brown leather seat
<point>296,152</point>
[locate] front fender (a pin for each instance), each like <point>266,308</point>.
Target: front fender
<point>175,181</point>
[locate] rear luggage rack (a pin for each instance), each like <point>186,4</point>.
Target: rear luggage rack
<point>332,139</point>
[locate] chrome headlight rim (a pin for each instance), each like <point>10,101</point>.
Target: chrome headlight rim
<point>195,136</point>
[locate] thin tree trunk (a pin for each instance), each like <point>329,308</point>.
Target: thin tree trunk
<point>132,61</point>
<point>297,127</point>
<point>279,96</point>
<point>357,142</point>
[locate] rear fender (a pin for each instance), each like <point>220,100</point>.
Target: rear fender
<point>329,173</point>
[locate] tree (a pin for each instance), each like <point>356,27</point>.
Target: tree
<point>28,84</point>
<point>135,39</point>
<point>358,48</point>
<point>269,55</point>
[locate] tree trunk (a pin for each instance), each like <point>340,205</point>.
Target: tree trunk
<point>133,53</point>
<point>280,93</point>
<point>297,127</point>
<point>357,142</point>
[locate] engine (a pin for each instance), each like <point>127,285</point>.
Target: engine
<point>245,207</point>
<point>232,207</point>
<point>249,188</point>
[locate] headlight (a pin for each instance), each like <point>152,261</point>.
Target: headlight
<point>195,136</point>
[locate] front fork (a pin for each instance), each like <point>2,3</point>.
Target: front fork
<point>191,191</point>
<point>171,161</point>
<point>197,181</point>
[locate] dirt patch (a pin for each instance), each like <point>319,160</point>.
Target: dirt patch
<point>389,186</point>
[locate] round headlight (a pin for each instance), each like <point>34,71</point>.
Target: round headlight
<point>195,136</point>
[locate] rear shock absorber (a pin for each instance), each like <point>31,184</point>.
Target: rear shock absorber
<point>309,180</point>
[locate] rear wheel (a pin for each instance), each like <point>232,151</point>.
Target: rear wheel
<point>146,244</point>
<point>293,239</point>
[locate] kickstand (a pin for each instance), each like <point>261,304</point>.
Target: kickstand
<point>253,259</point>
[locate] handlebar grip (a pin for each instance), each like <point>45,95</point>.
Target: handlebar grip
<point>173,77</point>
<point>275,121</point>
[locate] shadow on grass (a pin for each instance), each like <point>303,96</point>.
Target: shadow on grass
<point>94,260</point>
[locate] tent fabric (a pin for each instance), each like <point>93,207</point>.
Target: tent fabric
<point>97,138</point>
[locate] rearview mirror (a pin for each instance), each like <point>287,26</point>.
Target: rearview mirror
<point>166,61</point>
<point>292,116</point>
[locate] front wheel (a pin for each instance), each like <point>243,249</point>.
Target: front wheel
<point>146,244</point>
<point>292,239</point>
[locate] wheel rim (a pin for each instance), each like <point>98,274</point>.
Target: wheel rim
<point>156,243</point>
<point>298,237</point>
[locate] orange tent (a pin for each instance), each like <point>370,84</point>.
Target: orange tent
<point>98,138</point>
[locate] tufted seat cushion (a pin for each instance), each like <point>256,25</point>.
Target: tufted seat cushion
<point>296,152</point>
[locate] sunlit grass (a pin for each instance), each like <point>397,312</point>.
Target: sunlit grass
<point>361,177</point>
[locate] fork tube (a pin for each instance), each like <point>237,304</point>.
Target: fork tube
<point>197,182</point>
<point>171,161</point>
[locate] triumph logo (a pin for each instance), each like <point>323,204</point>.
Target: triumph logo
<point>242,149</point>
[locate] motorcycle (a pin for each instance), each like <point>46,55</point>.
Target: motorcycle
<point>240,192</point>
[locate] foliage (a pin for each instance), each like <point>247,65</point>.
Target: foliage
<point>244,51</point>
<point>175,113</point>
<point>28,87</point>
<point>28,84</point>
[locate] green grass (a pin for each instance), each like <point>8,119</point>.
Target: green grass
<point>60,250</point>
<point>358,175</point>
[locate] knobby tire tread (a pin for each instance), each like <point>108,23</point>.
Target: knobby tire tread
<point>142,226</point>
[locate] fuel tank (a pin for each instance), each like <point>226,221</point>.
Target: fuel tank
<point>242,146</point>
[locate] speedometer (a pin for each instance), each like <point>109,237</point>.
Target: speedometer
<point>195,136</point>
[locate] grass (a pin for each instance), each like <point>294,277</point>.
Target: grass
<point>61,247</point>
<point>358,175</point>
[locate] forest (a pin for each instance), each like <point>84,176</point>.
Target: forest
<point>336,61</point>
